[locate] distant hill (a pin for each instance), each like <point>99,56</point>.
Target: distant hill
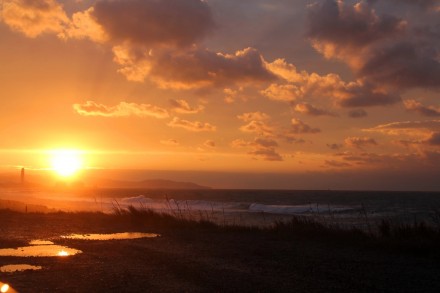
<point>148,184</point>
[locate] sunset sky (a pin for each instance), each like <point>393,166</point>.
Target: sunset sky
<point>251,93</point>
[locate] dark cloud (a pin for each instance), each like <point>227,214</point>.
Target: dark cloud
<point>261,148</point>
<point>334,146</point>
<point>384,49</point>
<point>305,108</point>
<point>365,95</point>
<point>404,64</point>
<point>357,113</point>
<point>349,26</point>
<point>421,3</point>
<point>429,111</point>
<point>267,154</point>
<point>434,139</point>
<point>154,23</point>
<point>299,127</point>
<point>360,142</point>
<point>336,164</point>
<point>193,67</point>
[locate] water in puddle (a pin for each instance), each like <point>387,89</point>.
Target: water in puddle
<point>18,268</point>
<point>114,236</point>
<point>39,251</point>
<point>5,288</point>
<point>41,242</point>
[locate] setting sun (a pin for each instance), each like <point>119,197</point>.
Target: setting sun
<point>66,162</point>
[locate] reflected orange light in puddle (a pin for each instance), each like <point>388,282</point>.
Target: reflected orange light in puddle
<point>63,253</point>
<point>4,288</point>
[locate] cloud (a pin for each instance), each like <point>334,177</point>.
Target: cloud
<point>84,26</point>
<point>357,113</point>
<point>261,148</point>
<point>34,17</point>
<point>282,92</point>
<point>408,127</point>
<point>305,108</point>
<point>334,146</point>
<point>182,106</point>
<point>257,122</point>
<point>123,109</point>
<point>192,67</point>
<point>434,139</point>
<point>299,127</point>
<point>170,142</point>
<point>429,111</point>
<point>231,95</point>
<point>426,4</point>
<point>338,30</point>
<point>359,93</point>
<point>258,127</point>
<point>266,154</point>
<point>360,142</point>
<point>151,23</point>
<point>209,144</point>
<point>336,164</point>
<point>195,126</point>
<point>386,50</point>
<point>250,116</point>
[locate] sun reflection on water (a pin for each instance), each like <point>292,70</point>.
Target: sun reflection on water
<point>4,288</point>
<point>63,253</point>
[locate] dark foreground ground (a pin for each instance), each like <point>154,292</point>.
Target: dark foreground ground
<point>194,257</point>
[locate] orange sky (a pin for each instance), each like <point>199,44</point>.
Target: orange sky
<point>266,87</point>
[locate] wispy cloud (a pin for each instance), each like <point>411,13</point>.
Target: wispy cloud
<point>360,142</point>
<point>33,18</point>
<point>308,109</point>
<point>429,111</point>
<point>183,107</point>
<point>123,109</point>
<point>194,126</point>
<point>299,127</point>
<point>261,148</point>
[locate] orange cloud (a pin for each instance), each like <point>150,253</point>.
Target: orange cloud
<point>195,126</point>
<point>430,111</point>
<point>261,148</point>
<point>123,109</point>
<point>192,67</point>
<point>305,108</point>
<point>170,142</point>
<point>34,17</point>
<point>420,128</point>
<point>182,106</point>
<point>299,127</point>
<point>360,142</point>
<point>303,85</point>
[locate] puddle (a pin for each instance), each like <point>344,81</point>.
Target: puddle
<point>6,288</point>
<point>18,268</point>
<point>114,236</point>
<point>39,251</point>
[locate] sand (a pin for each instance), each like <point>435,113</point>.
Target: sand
<point>204,258</point>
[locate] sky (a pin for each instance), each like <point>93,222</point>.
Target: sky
<point>237,94</point>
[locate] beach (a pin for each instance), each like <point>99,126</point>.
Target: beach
<point>190,256</point>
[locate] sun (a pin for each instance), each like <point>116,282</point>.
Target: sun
<point>66,162</point>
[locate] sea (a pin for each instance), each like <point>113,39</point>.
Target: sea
<point>362,209</point>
